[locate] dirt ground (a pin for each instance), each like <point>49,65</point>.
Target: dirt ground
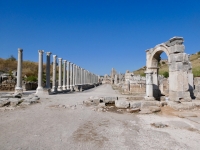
<point>62,122</point>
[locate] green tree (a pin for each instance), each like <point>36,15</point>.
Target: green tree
<point>166,74</point>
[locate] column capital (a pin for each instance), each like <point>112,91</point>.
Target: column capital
<point>60,59</point>
<point>64,61</point>
<point>54,56</point>
<point>48,53</point>
<point>40,51</point>
<point>20,50</point>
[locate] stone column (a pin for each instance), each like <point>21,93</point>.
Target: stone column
<point>81,76</point>
<point>149,86</point>
<point>18,88</point>
<point>68,70</point>
<point>64,87</point>
<point>54,89</point>
<point>76,75</point>
<point>74,67</point>
<point>48,70</point>
<point>60,75</point>
<point>40,71</point>
<point>71,76</point>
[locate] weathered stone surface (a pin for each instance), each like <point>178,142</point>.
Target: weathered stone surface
<point>122,104</point>
<point>150,103</point>
<point>4,101</point>
<point>188,114</point>
<point>101,105</point>
<point>110,100</point>
<point>135,104</point>
<point>15,101</point>
<point>7,96</point>
<point>17,95</point>
<point>159,125</point>
<point>133,110</point>
<point>154,109</point>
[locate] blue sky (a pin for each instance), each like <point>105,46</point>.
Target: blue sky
<point>97,34</point>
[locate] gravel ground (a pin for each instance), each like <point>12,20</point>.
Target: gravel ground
<point>62,122</point>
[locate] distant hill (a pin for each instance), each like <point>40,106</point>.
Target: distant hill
<point>194,59</point>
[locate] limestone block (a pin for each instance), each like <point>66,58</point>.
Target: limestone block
<point>179,95</point>
<point>15,101</point>
<point>110,100</point>
<point>179,57</point>
<point>176,49</point>
<point>135,104</point>
<point>133,110</point>
<point>122,104</point>
<point>176,66</point>
<point>150,103</point>
<point>178,81</point>
<point>4,101</point>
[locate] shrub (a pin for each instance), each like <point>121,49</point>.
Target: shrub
<point>166,74</point>
<point>31,78</point>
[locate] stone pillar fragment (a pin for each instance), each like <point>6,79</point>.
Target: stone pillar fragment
<point>39,89</point>
<point>54,88</point>
<point>18,88</point>
<point>149,86</point>
<point>48,70</point>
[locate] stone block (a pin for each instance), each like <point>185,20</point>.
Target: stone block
<point>4,101</point>
<point>15,101</point>
<point>178,57</point>
<point>122,104</point>
<point>178,81</point>
<point>135,104</point>
<point>150,103</point>
<point>176,49</point>
<point>179,95</point>
<point>176,66</point>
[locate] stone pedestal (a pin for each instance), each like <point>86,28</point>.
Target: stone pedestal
<point>39,89</point>
<point>18,88</point>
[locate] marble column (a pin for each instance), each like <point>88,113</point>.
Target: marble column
<point>76,75</point>
<point>54,89</point>
<point>60,75</point>
<point>39,89</point>
<point>71,76</point>
<point>18,88</point>
<point>68,70</point>
<point>81,76</point>
<point>64,87</point>
<point>149,86</point>
<point>48,70</point>
<point>74,71</point>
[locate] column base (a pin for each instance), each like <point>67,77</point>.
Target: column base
<point>68,88</point>
<point>18,90</point>
<point>147,98</point>
<point>54,89</point>
<point>59,88</point>
<point>39,90</point>
<point>64,88</point>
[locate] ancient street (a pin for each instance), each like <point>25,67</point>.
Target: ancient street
<point>62,121</point>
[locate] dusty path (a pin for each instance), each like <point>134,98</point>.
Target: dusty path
<point>45,126</point>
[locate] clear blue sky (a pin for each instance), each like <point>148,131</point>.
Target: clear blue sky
<point>97,34</point>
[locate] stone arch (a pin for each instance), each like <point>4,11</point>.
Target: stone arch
<point>179,70</point>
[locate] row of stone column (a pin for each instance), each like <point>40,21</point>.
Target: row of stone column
<point>75,75</point>
<point>66,81</point>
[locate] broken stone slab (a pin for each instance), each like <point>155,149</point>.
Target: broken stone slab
<point>182,105</point>
<point>150,109</point>
<point>4,102</point>
<point>17,95</point>
<point>102,105</point>
<point>15,101</point>
<point>94,100</point>
<point>135,104</point>
<point>110,100</point>
<point>7,96</point>
<point>122,104</point>
<point>150,103</point>
<point>133,110</point>
<point>185,115</point>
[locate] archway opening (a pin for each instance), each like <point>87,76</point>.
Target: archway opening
<point>160,70</point>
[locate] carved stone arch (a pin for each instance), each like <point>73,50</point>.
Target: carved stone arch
<point>179,72</point>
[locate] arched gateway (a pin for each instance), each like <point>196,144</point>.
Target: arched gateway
<point>180,71</point>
